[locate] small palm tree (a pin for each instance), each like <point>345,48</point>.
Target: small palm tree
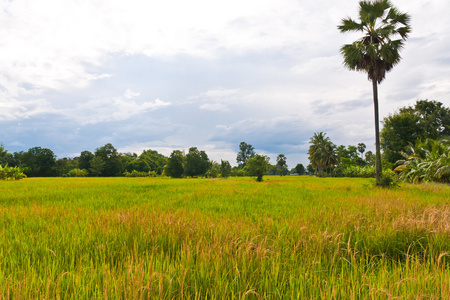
<point>322,152</point>
<point>385,29</point>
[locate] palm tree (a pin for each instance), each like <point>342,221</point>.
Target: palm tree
<point>322,152</point>
<point>385,29</point>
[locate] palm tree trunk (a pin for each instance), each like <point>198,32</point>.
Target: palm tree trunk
<point>377,130</point>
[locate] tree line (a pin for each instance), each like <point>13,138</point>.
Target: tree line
<point>106,161</point>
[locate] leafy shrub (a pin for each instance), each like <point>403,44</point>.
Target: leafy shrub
<point>356,171</point>
<point>11,173</point>
<point>426,161</point>
<point>135,173</point>
<point>77,173</point>
<point>387,180</point>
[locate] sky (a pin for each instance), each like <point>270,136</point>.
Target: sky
<point>174,74</point>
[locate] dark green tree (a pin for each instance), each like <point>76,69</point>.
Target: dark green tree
<point>258,166</point>
<point>225,168</point>
<point>281,164</point>
<point>425,120</point>
<point>300,169</point>
<point>370,158</point>
<point>39,162</point>
<point>6,157</point>
<point>434,119</point>
<point>246,151</point>
<point>134,163</point>
<point>112,161</point>
<point>85,160</point>
<point>196,162</point>
<point>64,165</point>
<point>175,164</point>
<point>384,31</point>
<point>3,153</point>
<point>154,160</point>
<point>310,170</point>
<point>97,166</point>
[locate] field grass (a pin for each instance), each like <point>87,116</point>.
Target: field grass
<point>284,238</point>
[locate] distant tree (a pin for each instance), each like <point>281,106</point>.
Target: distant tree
<point>310,169</point>
<point>246,151</point>
<point>97,166</point>
<point>225,168</point>
<point>258,166</point>
<point>384,31</point>
<point>434,119</point>
<point>213,169</point>
<point>40,162</point>
<point>85,160</point>
<point>348,156</point>
<point>175,164</point>
<point>300,169</point>
<point>6,157</point>
<point>113,163</point>
<point>281,164</point>
<point>361,149</point>
<point>154,160</point>
<point>64,165</point>
<point>322,153</point>
<point>352,152</point>
<point>3,153</point>
<point>370,158</point>
<point>137,164</point>
<point>127,160</point>
<point>196,162</point>
<point>425,120</point>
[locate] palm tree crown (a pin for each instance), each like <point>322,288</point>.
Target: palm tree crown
<point>385,29</point>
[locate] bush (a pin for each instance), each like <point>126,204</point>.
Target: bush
<point>11,173</point>
<point>387,180</point>
<point>78,173</point>
<point>356,171</point>
<point>135,173</point>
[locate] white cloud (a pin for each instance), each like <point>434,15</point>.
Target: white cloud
<point>214,107</point>
<point>217,99</point>
<point>129,94</point>
<point>13,109</point>
<point>116,109</point>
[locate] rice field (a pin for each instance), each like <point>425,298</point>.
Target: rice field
<point>284,238</point>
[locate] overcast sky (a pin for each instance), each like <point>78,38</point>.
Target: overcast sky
<point>173,74</point>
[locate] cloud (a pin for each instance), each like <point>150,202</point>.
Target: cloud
<point>214,107</point>
<point>12,109</point>
<point>216,99</point>
<point>116,109</point>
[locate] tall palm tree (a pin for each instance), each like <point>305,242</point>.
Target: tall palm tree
<point>385,30</point>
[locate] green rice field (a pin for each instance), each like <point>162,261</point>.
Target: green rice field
<point>284,238</point>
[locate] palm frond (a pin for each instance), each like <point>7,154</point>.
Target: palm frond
<point>350,25</point>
